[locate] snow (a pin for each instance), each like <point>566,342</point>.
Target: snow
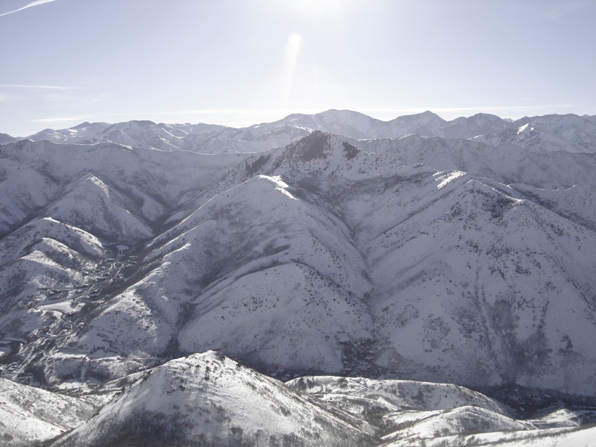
<point>445,178</point>
<point>538,438</point>
<point>4,350</point>
<point>280,185</point>
<point>63,307</point>
<point>211,395</point>
<point>378,223</point>
<point>218,139</point>
<point>461,253</point>
<point>29,414</point>
<point>523,128</point>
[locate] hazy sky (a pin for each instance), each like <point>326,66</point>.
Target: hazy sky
<point>242,62</point>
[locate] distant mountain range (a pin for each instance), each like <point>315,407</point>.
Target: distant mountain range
<point>360,274</point>
<point>549,130</point>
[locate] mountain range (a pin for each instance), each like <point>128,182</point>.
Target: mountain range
<point>326,279</point>
<point>572,132</point>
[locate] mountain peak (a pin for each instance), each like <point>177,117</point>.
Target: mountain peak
<point>82,125</point>
<point>314,146</point>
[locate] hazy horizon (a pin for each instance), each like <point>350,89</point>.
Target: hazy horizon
<point>275,118</point>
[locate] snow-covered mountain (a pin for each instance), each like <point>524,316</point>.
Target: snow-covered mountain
<point>572,128</point>
<point>460,253</point>
<point>555,132</point>
<point>211,400</point>
<point>5,138</point>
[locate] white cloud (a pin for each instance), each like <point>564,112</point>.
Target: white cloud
<point>28,5</point>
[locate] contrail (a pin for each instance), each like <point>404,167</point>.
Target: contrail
<point>28,5</point>
<point>47,87</point>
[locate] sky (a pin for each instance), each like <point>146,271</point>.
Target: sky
<point>242,62</point>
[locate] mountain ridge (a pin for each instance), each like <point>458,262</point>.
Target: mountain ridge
<point>210,138</point>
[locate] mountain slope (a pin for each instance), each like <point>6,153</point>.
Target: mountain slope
<point>5,138</point>
<point>209,400</point>
<point>438,258</point>
<point>146,182</point>
<point>357,262</point>
<point>570,127</point>
<point>30,414</point>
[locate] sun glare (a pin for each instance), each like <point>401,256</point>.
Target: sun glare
<point>290,58</point>
<point>318,9</point>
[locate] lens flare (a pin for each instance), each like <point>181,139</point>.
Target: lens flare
<point>290,58</point>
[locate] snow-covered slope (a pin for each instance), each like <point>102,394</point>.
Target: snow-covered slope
<point>29,415</point>
<point>443,243</point>
<point>472,284</point>
<point>210,400</point>
<point>570,127</point>
<point>479,124</point>
<point>359,126</point>
<point>438,274</point>
<point>132,133</point>
<point>534,140</point>
<point>142,182</point>
<point>454,257</point>
<point>72,216</point>
<point>82,133</point>
<point>5,138</point>
<point>94,206</point>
